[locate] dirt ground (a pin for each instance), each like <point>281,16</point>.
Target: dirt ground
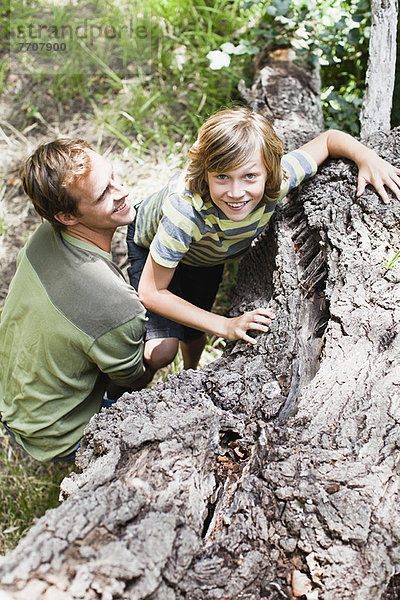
<point>21,133</point>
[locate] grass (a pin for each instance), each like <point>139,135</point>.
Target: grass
<point>141,68</point>
<point>27,490</point>
<point>392,263</point>
<point>3,226</point>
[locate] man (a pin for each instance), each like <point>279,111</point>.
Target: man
<point>71,328</point>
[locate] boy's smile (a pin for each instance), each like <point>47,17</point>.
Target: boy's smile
<point>239,191</point>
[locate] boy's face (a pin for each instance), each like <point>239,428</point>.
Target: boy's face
<point>238,192</point>
<point>104,203</point>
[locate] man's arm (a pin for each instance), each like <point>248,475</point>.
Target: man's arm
<point>372,169</point>
<point>118,353</point>
<point>115,391</point>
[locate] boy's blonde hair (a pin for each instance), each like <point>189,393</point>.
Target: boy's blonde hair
<point>229,139</point>
<point>47,172</point>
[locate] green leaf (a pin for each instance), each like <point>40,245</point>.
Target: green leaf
<point>282,6</point>
<point>353,36</point>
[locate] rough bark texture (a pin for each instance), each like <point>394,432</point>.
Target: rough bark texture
<point>277,460</point>
<point>377,103</point>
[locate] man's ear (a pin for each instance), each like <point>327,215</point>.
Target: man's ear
<point>66,219</point>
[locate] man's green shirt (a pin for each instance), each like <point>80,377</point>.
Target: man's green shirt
<point>69,320</point>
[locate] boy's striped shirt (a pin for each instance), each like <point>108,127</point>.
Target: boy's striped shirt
<point>179,226</point>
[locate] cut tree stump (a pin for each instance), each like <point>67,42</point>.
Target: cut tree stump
<point>274,471</point>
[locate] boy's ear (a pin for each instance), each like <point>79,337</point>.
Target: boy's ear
<point>66,219</point>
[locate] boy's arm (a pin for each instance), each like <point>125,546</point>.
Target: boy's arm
<point>155,296</point>
<point>372,169</point>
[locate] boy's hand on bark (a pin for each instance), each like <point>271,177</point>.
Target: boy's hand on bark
<point>379,173</point>
<point>258,319</point>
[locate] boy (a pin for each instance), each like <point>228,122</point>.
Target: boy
<point>210,214</point>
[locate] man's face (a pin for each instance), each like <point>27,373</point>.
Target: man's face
<point>104,203</point>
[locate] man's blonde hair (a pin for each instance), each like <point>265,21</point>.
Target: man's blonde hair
<point>47,172</point>
<point>229,139</point>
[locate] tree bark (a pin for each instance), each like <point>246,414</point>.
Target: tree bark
<point>377,103</point>
<point>273,471</point>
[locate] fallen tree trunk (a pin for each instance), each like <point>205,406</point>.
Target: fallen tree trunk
<point>274,470</point>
